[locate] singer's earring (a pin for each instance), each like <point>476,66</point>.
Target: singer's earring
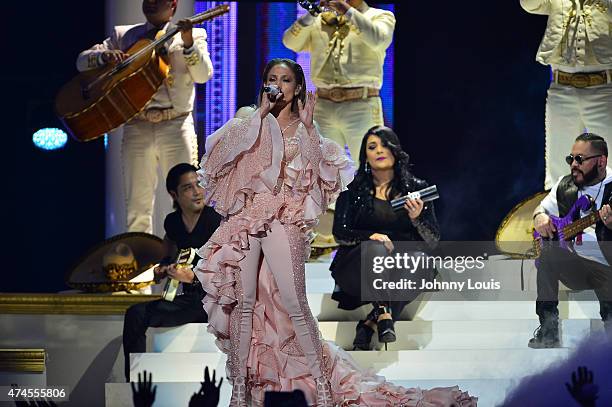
<point>367,167</point>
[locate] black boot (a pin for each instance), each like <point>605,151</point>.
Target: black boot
<point>547,334</point>
<point>386,328</point>
<point>363,337</point>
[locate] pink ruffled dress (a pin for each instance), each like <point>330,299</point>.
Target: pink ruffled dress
<point>253,176</point>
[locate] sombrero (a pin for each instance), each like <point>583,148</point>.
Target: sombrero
<point>515,234</point>
<point>323,242</point>
<point>122,263</point>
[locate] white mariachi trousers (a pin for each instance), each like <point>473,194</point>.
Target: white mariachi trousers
<point>146,146</point>
<point>569,112</point>
<point>347,122</point>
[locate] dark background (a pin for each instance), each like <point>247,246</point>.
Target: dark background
<point>469,108</point>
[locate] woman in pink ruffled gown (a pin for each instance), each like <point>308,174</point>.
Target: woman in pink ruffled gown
<point>271,174</point>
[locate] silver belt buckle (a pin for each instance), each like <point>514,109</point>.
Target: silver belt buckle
<point>337,95</point>
<point>154,115</point>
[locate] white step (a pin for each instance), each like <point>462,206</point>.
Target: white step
<point>467,364</point>
<point>411,335</point>
<point>444,305</point>
<point>517,278</point>
<point>459,364</point>
<point>429,309</point>
<point>176,366</point>
<point>490,392</point>
<point>507,271</point>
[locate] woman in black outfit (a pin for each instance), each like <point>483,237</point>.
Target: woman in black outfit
<point>364,213</point>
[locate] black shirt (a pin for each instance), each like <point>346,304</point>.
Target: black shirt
<point>175,229</point>
<point>174,226</point>
<point>387,221</point>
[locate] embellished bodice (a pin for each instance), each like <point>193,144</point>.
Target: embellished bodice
<point>292,147</point>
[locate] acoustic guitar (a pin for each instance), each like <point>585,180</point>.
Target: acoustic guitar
<point>183,260</point>
<point>100,100</point>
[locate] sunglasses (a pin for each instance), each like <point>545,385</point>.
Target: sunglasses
<point>579,158</point>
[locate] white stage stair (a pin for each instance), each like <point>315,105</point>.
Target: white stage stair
<point>479,345</point>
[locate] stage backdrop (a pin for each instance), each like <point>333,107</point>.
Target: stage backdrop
<point>468,105</point>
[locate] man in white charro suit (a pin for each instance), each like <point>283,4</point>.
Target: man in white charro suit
<point>577,44</point>
<point>163,133</point>
<point>347,52</point>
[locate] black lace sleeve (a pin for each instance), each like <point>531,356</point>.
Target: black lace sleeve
<point>344,221</point>
<point>427,223</point>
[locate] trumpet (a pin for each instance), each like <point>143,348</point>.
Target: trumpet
<point>316,7</point>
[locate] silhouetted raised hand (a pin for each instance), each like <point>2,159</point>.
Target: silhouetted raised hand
<point>144,395</point>
<point>208,395</point>
<point>582,389</point>
<point>35,403</point>
<point>32,403</point>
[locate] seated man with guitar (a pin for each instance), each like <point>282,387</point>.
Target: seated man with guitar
<point>572,226</point>
<point>163,132</point>
<point>189,226</point>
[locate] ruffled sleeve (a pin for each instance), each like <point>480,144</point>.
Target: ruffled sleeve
<point>242,158</point>
<point>327,171</point>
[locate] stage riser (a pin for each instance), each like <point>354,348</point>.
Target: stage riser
<point>466,364</point>
<point>326,309</point>
<point>412,335</point>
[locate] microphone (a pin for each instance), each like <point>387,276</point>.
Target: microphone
<point>272,90</point>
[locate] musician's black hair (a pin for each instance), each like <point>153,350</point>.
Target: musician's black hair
<point>174,178</point>
<point>403,180</point>
<point>597,142</point>
<point>300,80</point>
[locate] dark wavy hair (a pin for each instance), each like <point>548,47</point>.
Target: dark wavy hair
<point>403,180</point>
<point>174,178</point>
<point>300,80</point>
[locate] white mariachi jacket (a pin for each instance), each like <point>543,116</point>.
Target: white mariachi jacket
<point>357,52</point>
<point>575,35</point>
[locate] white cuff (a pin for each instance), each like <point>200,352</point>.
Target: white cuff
<point>306,20</point>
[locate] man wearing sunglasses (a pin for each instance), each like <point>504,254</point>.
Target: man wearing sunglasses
<point>586,265</point>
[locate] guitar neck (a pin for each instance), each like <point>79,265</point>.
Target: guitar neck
<point>578,226</point>
<point>186,256</point>
<point>197,19</point>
